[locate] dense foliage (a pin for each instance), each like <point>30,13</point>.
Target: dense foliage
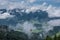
<point>53,38</point>
<point>6,34</point>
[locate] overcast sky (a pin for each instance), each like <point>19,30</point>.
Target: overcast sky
<point>7,3</point>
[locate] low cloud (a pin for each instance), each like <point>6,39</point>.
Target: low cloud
<point>5,16</point>
<point>52,11</point>
<point>54,22</point>
<point>25,27</point>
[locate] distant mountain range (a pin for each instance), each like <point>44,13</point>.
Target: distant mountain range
<point>21,16</point>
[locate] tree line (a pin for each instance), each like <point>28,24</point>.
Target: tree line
<point>53,38</point>
<point>6,34</point>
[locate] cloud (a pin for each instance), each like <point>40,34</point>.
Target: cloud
<point>5,16</point>
<point>54,22</point>
<point>57,1</point>
<point>37,7</point>
<point>4,3</point>
<point>52,11</point>
<point>31,1</point>
<point>10,4</point>
<point>20,5</point>
<point>27,27</point>
<point>18,27</point>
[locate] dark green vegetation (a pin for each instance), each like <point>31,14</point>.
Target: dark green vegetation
<point>8,34</point>
<point>54,38</point>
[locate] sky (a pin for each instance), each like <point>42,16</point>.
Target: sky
<point>24,3</point>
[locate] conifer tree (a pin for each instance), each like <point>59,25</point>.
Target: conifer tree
<point>48,38</point>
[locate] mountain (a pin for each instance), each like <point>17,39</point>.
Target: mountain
<point>19,16</point>
<point>38,18</point>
